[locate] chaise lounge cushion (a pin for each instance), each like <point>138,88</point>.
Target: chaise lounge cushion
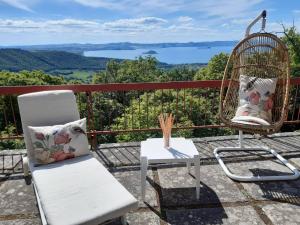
<point>46,108</point>
<point>80,191</point>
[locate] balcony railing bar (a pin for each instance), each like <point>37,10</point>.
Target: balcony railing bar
<point>87,94</point>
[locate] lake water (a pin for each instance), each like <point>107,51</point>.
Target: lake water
<point>172,55</point>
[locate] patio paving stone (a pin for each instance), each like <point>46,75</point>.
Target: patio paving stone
<point>245,215</point>
<point>170,190</point>
<point>283,214</point>
<point>178,187</point>
<point>139,218</point>
<point>130,178</point>
<point>272,190</point>
<point>21,222</point>
<point>17,197</point>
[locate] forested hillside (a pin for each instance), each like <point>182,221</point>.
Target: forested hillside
<point>17,60</point>
<point>132,109</point>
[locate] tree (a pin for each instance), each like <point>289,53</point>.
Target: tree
<point>215,68</point>
<point>9,106</point>
<point>128,71</point>
<point>292,39</point>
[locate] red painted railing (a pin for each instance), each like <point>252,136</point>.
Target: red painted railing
<point>136,103</point>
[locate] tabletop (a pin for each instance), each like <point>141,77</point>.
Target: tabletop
<point>180,148</point>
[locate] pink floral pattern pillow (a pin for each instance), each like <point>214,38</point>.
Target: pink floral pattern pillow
<point>256,100</point>
<point>59,142</point>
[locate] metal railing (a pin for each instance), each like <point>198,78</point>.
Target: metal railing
<point>132,108</point>
<point>117,108</point>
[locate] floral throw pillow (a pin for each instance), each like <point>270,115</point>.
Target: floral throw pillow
<point>255,100</point>
<point>59,142</point>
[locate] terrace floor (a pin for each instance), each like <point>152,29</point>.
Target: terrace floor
<point>170,195</point>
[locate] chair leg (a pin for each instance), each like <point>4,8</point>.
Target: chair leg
<point>123,220</point>
<point>197,174</point>
<point>25,166</point>
<point>294,176</point>
<point>188,165</point>
<point>144,165</point>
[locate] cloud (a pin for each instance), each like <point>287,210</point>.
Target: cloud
<point>220,8</point>
<point>228,8</point>
<point>138,24</point>
<point>47,25</point>
<point>109,4</point>
<point>20,4</point>
<point>76,25</point>
<point>296,11</point>
<point>185,19</point>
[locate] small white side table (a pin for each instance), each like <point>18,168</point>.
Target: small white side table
<point>181,150</point>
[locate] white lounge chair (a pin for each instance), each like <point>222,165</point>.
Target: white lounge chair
<point>74,191</point>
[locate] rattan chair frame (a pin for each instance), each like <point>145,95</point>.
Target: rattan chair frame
<point>276,66</point>
<point>261,55</point>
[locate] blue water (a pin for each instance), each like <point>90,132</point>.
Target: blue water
<point>172,55</point>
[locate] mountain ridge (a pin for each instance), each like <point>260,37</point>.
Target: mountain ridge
<point>12,59</point>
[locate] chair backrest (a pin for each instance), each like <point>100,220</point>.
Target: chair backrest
<point>261,55</point>
<point>46,108</point>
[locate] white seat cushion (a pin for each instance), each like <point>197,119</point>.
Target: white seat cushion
<point>80,191</point>
<point>251,120</point>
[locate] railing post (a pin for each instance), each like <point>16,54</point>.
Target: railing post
<point>91,120</point>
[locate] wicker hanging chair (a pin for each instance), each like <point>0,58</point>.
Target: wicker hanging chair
<point>261,55</point>
<point>258,55</point>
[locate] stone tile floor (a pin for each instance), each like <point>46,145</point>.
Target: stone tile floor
<point>170,195</point>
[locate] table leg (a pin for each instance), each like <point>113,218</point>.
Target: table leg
<point>144,166</point>
<point>197,174</point>
<point>188,165</point>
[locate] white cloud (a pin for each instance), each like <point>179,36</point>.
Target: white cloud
<point>296,11</point>
<point>185,19</point>
<point>228,8</point>
<point>47,25</point>
<point>109,4</point>
<point>75,25</point>
<point>220,8</point>
<point>138,24</point>
<point>20,4</point>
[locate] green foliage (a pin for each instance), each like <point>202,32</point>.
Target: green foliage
<point>143,113</point>
<point>183,73</point>
<point>24,78</point>
<point>7,131</point>
<point>215,68</point>
<point>134,109</point>
<point>292,39</point>
<point>17,60</point>
<point>128,71</point>
<point>8,104</point>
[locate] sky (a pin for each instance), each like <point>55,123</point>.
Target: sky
<point>33,22</point>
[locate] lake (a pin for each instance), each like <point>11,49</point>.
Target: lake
<point>172,55</point>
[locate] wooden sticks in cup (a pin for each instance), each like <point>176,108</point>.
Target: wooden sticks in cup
<point>166,123</point>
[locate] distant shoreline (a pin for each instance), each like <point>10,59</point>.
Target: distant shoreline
<point>80,48</point>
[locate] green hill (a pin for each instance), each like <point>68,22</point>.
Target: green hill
<point>17,59</point>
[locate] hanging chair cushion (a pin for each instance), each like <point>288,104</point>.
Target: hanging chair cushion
<point>250,120</point>
<point>255,100</point>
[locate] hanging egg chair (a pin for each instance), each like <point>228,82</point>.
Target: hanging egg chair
<point>254,93</point>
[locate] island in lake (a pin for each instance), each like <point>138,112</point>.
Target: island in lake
<point>150,52</point>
